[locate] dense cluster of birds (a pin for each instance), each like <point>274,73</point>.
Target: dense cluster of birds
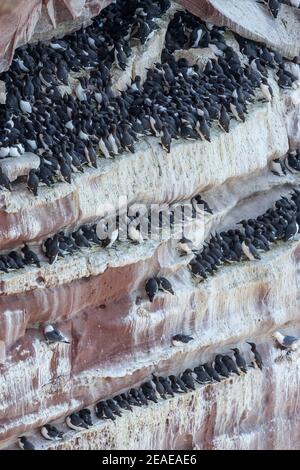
<point>261,59</point>
<point>67,128</point>
<point>159,387</point>
<point>59,245</point>
<point>177,100</point>
<point>281,222</point>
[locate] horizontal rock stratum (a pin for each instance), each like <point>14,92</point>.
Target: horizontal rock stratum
<point>96,296</point>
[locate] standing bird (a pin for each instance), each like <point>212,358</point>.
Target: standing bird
<point>224,120</point>
<point>202,375</point>
<point>185,246</point>
<point>51,248</point>
<point>159,386</point>
<point>166,139</point>
<point>151,288</point>
<point>164,285</point>
<point>30,257</point>
<point>230,364</point>
<point>33,182</point>
<point>249,250</point>
<point>53,335</point>
<point>114,407</point>
<point>257,357</point>
<point>177,385</point>
<point>4,181</point>
<point>240,361</point>
<point>104,411</point>
<point>212,372</point>
<point>274,7</point>
<point>221,367</point>
<point>291,230</point>
<point>165,382</point>
<point>85,414</point>
<point>188,379</point>
<point>25,444</point>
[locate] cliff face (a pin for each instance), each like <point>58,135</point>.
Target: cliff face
<point>96,297</point>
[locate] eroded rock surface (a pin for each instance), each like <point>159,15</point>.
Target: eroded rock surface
<point>96,297</point>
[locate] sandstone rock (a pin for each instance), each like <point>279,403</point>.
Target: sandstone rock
<point>215,305</point>
<point>97,295</point>
<point>19,166</point>
<point>253,21</point>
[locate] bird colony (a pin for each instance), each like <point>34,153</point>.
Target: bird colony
<point>66,113</point>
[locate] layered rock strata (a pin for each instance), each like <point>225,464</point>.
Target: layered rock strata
<point>97,297</point>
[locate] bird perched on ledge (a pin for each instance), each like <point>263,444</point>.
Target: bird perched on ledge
<point>273,6</point>
<point>53,335</point>
<point>177,340</point>
<point>25,444</point>
<point>290,343</point>
<point>51,433</point>
<point>257,357</point>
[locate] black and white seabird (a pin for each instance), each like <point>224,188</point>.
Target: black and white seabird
<point>188,380</point>
<point>185,246</point>
<point>257,357</point>
<point>53,335</point>
<point>133,233</point>
<point>202,376</point>
<point>291,230</point>
<point>240,361</point>
<point>249,250</point>
<point>221,367</point>
<point>33,182</point>
<point>179,339</point>
<point>123,403</point>
<point>177,384</point>
<point>274,6</point>
<point>164,285</point>
<point>103,411</point>
<point>151,288</point>
<point>25,444</point>
<point>290,343</point>
<point>51,248</point>
<point>114,407</point>
<point>209,369</point>
<point>230,364</point>
<point>30,257</point>
<point>75,422</point>
<point>159,386</point>
<point>4,181</point>
<point>197,270</point>
<point>51,433</point>
<point>166,139</point>
<point>165,382</point>
<point>149,392</point>
<point>277,167</point>
<point>224,120</point>
<point>85,415</point>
